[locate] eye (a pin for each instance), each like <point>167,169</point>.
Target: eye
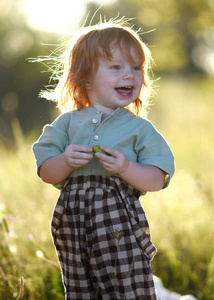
<point>136,68</point>
<point>115,67</point>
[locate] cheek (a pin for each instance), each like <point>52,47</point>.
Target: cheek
<point>140,81</point>
<point>140,78</point>
<point>104,84</point>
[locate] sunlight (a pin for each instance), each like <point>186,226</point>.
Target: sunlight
<point>52,15</point>
<point>58,16</point>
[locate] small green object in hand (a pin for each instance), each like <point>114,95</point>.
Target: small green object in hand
<point>92,153</point>
<point>96,148</point>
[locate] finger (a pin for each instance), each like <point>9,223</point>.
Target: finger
<point>82,148</point>
<point>110,151</point>
<point>105,158</point>
<point>79,162</point>
<point>108,167</point>
<point>82,156</point>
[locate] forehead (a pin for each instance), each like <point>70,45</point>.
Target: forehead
<point>119,53</point>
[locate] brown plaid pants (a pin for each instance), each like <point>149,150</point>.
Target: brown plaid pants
<point>102,239</point>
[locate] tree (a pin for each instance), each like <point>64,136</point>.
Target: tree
<point>173,28</point>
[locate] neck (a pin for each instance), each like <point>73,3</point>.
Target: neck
<point>106,111</point>
<point>106,115</point>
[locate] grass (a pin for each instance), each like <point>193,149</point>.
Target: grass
<point>28,261</point>
<point>181,217</point>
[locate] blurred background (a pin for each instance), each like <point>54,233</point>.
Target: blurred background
<point>180,35</point>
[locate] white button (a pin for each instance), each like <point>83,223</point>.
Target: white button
<point>96,138</point>
<point>94,121</point>
<point>97,112</point>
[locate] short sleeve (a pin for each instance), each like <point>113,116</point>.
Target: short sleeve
<point>152,149</point>
<point>53,140</point>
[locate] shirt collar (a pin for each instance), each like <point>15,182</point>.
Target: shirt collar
<point>116,112</point>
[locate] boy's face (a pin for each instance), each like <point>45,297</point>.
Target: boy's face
<point>116,83</point>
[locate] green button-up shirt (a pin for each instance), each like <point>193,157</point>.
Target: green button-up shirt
<point>134,136</point>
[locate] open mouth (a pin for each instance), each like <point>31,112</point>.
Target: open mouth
<point>125,90</point>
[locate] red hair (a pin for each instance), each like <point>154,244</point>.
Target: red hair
<point>82,61</point>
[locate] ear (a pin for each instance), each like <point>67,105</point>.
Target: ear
<point>88,85</point>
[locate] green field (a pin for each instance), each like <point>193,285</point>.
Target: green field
<point>181,217</point>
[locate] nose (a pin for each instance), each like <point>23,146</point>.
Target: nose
<point>128,74</point>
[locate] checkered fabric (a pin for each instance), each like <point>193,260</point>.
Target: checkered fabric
<point>102,239</point>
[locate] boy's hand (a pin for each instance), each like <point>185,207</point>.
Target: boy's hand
<point>76,156</point>
<point>114,161</point>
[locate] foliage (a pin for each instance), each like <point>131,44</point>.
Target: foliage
<point>28,263</point>
<point>180,217</point>
<point>180,38</point>
<point>173,27</point>
<point>22,270</point>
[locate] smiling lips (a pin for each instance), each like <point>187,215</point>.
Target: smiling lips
<point>125,90</point>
